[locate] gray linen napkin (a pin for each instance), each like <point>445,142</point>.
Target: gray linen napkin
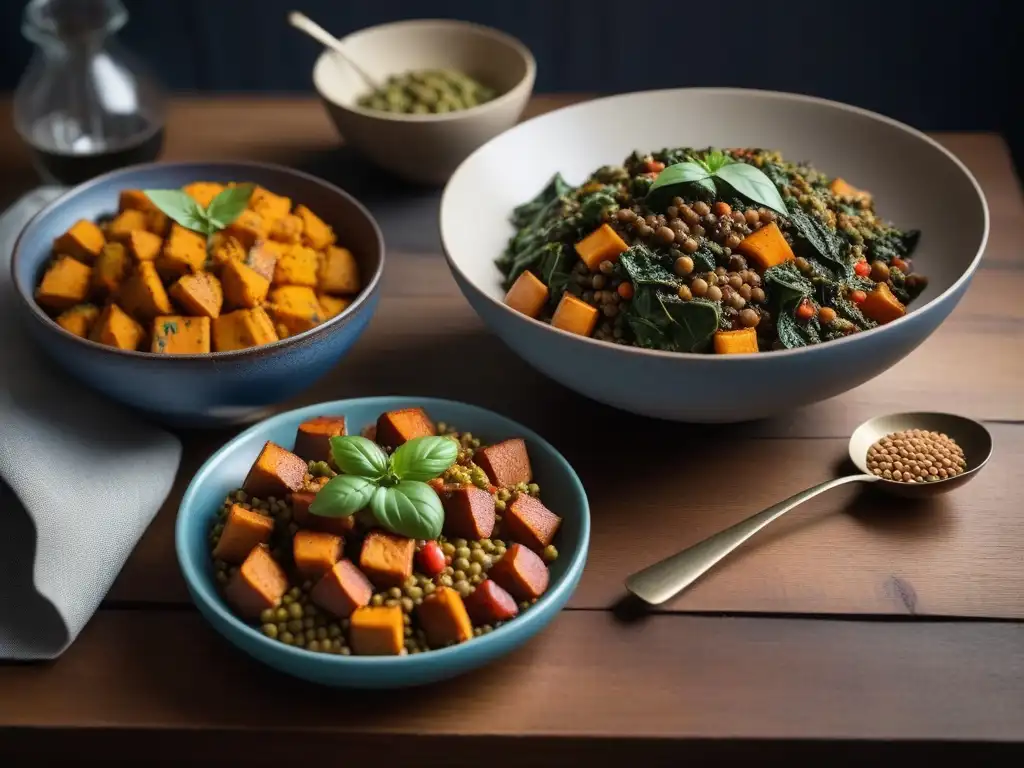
<point>81,481</point>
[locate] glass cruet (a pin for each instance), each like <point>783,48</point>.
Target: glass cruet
<point>85,105</point>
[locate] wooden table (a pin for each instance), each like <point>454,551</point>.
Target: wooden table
<point>851,630</point>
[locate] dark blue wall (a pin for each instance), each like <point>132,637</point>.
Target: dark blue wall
<point>936,65</point>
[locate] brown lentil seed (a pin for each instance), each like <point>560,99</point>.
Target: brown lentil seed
<point>683,266</point>
<point>916,456</point>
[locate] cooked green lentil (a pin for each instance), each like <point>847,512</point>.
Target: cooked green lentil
<point>428,91</point>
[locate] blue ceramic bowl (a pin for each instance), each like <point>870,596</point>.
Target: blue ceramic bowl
<point>226,470</point>
<point>220,387</point>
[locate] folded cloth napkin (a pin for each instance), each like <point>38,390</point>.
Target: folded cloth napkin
<point>81,481</point>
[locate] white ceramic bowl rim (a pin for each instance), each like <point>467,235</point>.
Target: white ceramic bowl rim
<point>728,359</point>
<point>299,338</point>
<point>527,56</point>
<point>207,593</point>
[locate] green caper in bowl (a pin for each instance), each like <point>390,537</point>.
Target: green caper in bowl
<point>428,91</point>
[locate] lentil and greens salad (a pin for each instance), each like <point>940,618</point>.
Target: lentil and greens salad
<point>410,537</point>
<point>726,251</point>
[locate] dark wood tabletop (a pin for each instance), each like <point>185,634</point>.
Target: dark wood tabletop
<point>853,629</point>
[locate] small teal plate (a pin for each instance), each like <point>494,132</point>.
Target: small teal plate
<point>226,469</point>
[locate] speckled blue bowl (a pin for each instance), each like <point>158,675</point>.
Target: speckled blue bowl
<point>225,471</point>
<point>221,387</point>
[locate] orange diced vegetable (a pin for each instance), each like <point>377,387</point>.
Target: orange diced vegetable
<point>143,295</point>
<point>468,513</point>
<point>249,228</point>
<point>529,522</point>
<point>144,245</point>
<point>342,590</point>
<point>881,306</point>
<point>386,559</point>
<point>489,604</point>
<point>575,316</point>
<point>736,342</point>
<point>184,251</point>
<point>315,233</point>
<point>506,463</point>
<point>842,188</point>
<point>444,618</point>
<point>521,572</point>
<point>766,247</point>
<point>263,257</point>
<point>397,427</point>
<point>315,552</point>
<point>339,272</point>
<point>297,266</point>
<point>79,320</point>
<point>243,530</point>
<point>313,437</point>
<point>603,244</point>
<point>116,328</point>
<point>180,335</point>
<point>295,307</point>
<point>203,192</point>
<point>377,631</point>
<point>268,205</point>
<point>65,284</point>
<point>83,241</point>
<point>110,269</point>
<point>243,328</point>
<point>199,294</point>
<point>259,584</point>
<point>331,306</point>
<point>527,294</point>
<point>243,286</point>
<point>275,472</point>
<point>126,222</point>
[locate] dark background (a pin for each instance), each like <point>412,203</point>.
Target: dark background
<point>950,65</point>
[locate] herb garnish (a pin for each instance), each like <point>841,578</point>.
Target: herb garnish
<point>393,487</point>
<point>227,206</point>
<point>713,171</point>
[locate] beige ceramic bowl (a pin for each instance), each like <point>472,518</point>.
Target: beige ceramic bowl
<point>425,148</point>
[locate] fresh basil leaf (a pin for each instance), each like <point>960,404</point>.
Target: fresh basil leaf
<point>409,509</point>
<point>826,245</point>
<point>229,204</point>
<point>424,458</point>
<point>717,159</point>
<point>179,207</point>
<point>695,322</point>
<point>751,182</point>
<point>343,495</point>
<point>357,455</point>
<point>644,268</point>
<point>674,180</point>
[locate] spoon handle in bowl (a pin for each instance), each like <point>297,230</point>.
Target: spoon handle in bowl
<point>657,583</point>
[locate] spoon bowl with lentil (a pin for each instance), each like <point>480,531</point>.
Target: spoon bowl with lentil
<point>912,455</point>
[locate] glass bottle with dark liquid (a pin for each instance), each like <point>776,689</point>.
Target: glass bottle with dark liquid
<point>85,105</point>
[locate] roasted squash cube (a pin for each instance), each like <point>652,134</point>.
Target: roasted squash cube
<point>295,307</point>
<point>506,463</point>
<point>83,241</point>
<point>244,529</point>
<point>243,285</point>
<point>529,522</point>
<point>135,200</point>
<point>574,315</point>
<point>315,552</point>
<point>882,306</point>
<point>298,266</point>
<point>736,342</point>
<point>339,272</point>
<point>315,233</point>
<point>242,329</point>
<point>268,205</point>
<point>79,320</point>
<point>603,244</point>
<point>264,255</point>
<point>142,295</point>
<point>468,513</point>
<point>224,249</point>
<point>302,517</point>
<point>397,427</point>
<point>444,619</point>
<point>527,294</point>
<point>342,590</point>
<point>259,584</point>
<point>386,559</point>
<point>116,328</point>
<point>110,269</point>
<point>377,631</point>
<point>313,437</point>
<point>521,572</point>
<point>842,188</point>
<point>275,472</point>
<point>126,222</point>
<point>183,252</point>
<point>144,245</point>
<point>489,604</point>
<point>65,284</point>
<point>286,229</point>
<point>332,306</point>
<point>178,335</point>
<point>767,247</point>
<point>199,294</point>
<point>203,192</point>
<point>249,228</point>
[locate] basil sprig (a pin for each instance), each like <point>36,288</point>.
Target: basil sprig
<point>393,487</point>
<point>709,174</point>
<point>227,206</point>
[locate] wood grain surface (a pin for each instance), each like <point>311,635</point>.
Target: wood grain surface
<point>872,629</point>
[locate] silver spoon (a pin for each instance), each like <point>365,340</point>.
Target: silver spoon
<point>659,582</point>
<point>305,24</point>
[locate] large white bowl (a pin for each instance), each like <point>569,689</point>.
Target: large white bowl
<point>916,183</point>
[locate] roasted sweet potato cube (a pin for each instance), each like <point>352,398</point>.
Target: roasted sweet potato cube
<point>243,328</point>
<point>268,205</point>
<point>529,522</point>
<point>143,295</point>
<point>313,437</point>
<point>259,583</point>
<point>180,335</point>
<point>315,233</point>
<point>506,463</point>
<point>332,306</point>
<point>882,306</point>
<point>134,200</point>
<point>184,251</point>
<point>121,226</point>
<point>377,631</point>
<point>199,294</point>
<point>110,269</point>
<point>65,284</point>
<point>397,427</point>
<point>223,249</point>
<point>603,244</point>
<point>386,559</point>
<point>244,529</point>
<point>521,572</point>
<point>83,241</point>
<point>116,328</point>
<point>249,228</point>
<point>144,245</point>
<point>315,552</point>
<point>342,590</point>
<point>295,307</point>
<point>297,266</point>
<point>79,320</point>
<point>528,294</point>
<point>574,315</point>
<point>468,513</point>
<point>263,257</point>
<point>444,619</point>
<point>490,603</point>
<point>766,247</point>
<point>203,192</point>
<point>339,272</point>
<point>275,472</point>
<point>303,518</point>
<point>243,285</point>
<point>286,229</point>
